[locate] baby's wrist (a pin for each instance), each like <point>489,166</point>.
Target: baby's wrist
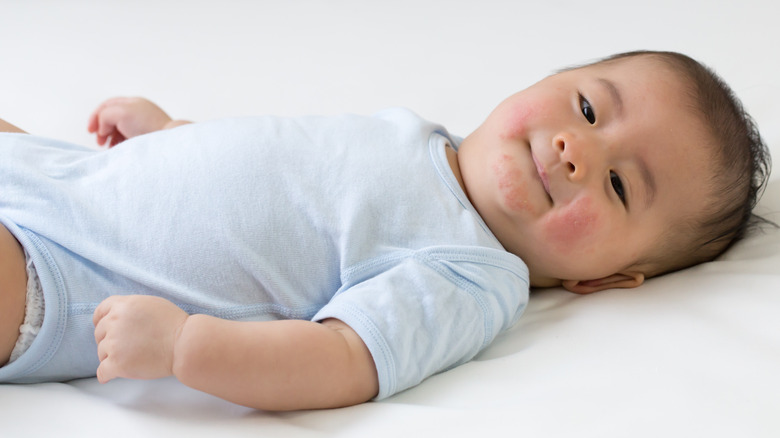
<point>177,345</point>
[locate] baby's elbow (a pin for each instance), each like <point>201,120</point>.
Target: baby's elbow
<point>359,379</point>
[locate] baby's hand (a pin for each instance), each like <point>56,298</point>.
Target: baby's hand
<point>121,118</point>
<point>135,336</point>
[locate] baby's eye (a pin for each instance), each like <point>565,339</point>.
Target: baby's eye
<point>617,185</point>
<point>587,110</point>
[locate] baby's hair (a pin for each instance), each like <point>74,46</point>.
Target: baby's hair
<point>742,167</point>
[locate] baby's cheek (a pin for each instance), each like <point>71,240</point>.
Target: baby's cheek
<point>517,119</point>
<point>511,184</point>
<point>572,230</point>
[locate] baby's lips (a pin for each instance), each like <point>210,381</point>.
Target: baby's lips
<point>542,174</point>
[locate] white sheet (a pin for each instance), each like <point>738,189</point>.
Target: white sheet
<point>691,354</point>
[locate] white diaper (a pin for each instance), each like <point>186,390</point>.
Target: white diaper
<point>33,315</point>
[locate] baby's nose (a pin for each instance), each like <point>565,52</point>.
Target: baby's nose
<point>573,155</point>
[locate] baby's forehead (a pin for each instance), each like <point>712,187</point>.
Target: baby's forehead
<point>629,67</point>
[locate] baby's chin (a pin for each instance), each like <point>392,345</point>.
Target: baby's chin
<point>541,281</point>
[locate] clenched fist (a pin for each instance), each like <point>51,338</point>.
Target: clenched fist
<point>136,335</point>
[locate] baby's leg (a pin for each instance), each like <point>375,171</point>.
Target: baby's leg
<point>13,292</point>
<point>7,127</point>
<point>13,282</point>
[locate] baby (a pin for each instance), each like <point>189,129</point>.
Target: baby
<point>313,262</point>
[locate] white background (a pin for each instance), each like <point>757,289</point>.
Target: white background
<point>451,61</point>
<point>691,354</point>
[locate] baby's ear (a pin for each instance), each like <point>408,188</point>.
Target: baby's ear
<point>614,281</point>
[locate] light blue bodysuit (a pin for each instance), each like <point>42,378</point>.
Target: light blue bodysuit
<point>349,217</point>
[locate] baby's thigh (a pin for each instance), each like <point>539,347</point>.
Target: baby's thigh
<point>7,127</point>
<point>13,292</point>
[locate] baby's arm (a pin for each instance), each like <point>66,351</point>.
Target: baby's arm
<point>121,118</point>
<point>276,365</point>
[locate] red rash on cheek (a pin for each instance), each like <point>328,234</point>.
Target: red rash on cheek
<point>511,185</point>
<point>516,120</point>
<point>567,229</point>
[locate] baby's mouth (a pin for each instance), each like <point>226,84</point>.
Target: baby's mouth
<point>542,175</point>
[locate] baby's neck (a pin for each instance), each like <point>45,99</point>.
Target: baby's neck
<point>452,158</point>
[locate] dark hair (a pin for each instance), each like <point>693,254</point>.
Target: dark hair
<point>743,164</point>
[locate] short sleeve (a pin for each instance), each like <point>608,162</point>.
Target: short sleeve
<point>429,312</point>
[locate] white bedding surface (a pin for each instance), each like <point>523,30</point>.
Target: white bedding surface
<point>695,353</point>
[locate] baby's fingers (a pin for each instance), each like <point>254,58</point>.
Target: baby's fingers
<point>106,371</point>
<point>102,310</point>
<point>92,123</point>
<point>103,122</point>
<point>111,354</point>
<point>107,124</point>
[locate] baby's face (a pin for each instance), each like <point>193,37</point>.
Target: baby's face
<point>581,174</point>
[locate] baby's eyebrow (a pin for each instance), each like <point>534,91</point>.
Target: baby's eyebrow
<point>614,93</point>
